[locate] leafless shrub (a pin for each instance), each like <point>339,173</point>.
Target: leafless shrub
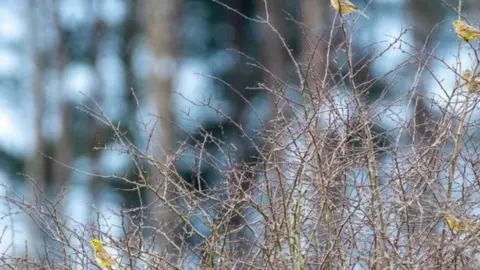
<point>325,189</point>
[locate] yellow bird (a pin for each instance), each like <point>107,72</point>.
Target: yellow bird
<point>457,224</point>
<point>465,31</point>
<point>472,82</point>
<point>346,7</point>
<point>101,255</point>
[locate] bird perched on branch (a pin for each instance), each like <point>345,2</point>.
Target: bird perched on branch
<point>459,224</point>
<point>103,259</point>
<point>472,82</point>
<point>465,31</point>
<point>346,7</point>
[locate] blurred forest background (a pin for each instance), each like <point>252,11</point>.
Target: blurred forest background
<point>167,72</point>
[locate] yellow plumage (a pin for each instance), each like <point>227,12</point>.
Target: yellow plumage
<point>457,224</point>
<point>465,31</point>
<point>346,7</point>
<point>102,257</point>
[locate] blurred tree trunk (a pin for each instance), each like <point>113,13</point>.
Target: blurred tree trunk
<point>95,132</point>
<point>330,175</point>
<point>272,52</point>
<point>424,18</point>
<point>62,151</point>
<point>47,183</point>
<point>162,26</point>
<point>314,42</point>
<point>240,75</point>
<point>272,58</point>
<point>35,163</point>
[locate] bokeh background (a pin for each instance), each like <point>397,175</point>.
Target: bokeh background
<point>183,61</point>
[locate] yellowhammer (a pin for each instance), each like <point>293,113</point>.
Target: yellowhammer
<point>101,255</point>
<point>470,81</point>
<point>457,224</point>
<point>346,7</point>
<point>465,31</point>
